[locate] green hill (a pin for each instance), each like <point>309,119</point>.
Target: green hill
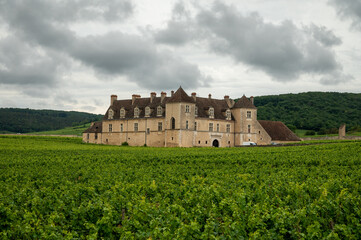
<point>319,111</point>
<point>18,120</point>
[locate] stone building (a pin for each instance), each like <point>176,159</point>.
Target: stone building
<point>184,121</point>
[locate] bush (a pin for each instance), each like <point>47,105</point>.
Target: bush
<point>292,127</point>
<point>125,144</point>
<point>310,133</point>
<point>322,132</point>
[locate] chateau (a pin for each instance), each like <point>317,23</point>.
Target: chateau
<point>181,120</point>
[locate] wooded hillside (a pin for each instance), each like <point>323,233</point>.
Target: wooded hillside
<point>311,110</point>
<point>28,120</point>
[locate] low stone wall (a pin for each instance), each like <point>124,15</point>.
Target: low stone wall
<point>332,138</point>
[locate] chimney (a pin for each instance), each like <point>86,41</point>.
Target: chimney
<point>194,96</point>
<point>226,98</point>
<point>252,100</point>
<point>172,93</point>
<point>134,96</point>
<point>209,96</point>
<point>162,96</point>
<point>113,98</point>
<point>152,96</point>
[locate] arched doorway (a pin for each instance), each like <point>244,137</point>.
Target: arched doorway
<point>215,143</point>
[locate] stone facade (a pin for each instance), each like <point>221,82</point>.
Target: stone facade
<point>179,121</point>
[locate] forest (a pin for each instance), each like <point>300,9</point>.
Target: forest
<point>318,111</point>
<point>19,120</point>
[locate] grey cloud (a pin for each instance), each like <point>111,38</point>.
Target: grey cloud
<point>323,35</point>
<point>349,9</point>
<point>43,27</point>
<point>46,22</point>
<point>25,65</point>
<point>176,33</point>
<point>284,51</point>
<point>336,77</point>
<point>180,29</point>
<point>139,59</point>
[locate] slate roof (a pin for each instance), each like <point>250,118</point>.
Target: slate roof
<point>95,128</point>
<point>244,102</point>
<point>278,131</point>
<point>180,96</point>
<point>220,105</point>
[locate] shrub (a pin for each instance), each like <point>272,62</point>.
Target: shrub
<point>310,133</point>
<point>125,144</point>
<point>321,132</point>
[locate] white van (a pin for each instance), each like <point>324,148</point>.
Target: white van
<point>249,144</point>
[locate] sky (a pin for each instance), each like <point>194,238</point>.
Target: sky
<point>72,55</point>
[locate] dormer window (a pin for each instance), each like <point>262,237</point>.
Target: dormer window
<point>122,113</point>
<point>136,112</point>
<point>159,111</point>
<point>196,111</point>
<point>211,112</point>
<point>228,114</point>
<point>147,111</point>
<point>110,114</point>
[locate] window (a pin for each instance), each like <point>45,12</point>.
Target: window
<point>121,127</point>
<point>122,113</point>
<point>148,130</point>
<point>160,126</point>
<point>228,128</point>
<point>172,122</point>
<point>228,114</point>
<point>186,124</point>
<point>217,127</point>
<point>196,111</point>
<point>110,127</point>
<point>110,114</point>
<point>87,136</point>
<point>195,126</point>
<point>159,111</point>
<point>136,112</point>
<point>206,142</point>
<point>147,111</point>
<point>199,142</point>
<point>187,108</point>
<point>211,127</point>
<point>135,127</point>
<point>96,136</point>
<point>249,128</point>
<point>211,112</point>
<point>249,114</point>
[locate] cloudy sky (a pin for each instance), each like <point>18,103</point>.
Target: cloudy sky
<point>72,55</point>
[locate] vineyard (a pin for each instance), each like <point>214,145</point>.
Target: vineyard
<point>59,188</point>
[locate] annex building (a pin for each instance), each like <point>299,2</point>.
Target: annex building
<point>181,120</point>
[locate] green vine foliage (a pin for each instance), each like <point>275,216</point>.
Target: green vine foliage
<point>59,188</point>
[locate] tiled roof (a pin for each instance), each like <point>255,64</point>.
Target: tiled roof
<point>95,128</point>
<point>244,102</point>
<point>220,105</point>
<point>278,131</point>
<point>180,96</point>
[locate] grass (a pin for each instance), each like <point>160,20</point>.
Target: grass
<point>302,133</point>
<point>76,130</point>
